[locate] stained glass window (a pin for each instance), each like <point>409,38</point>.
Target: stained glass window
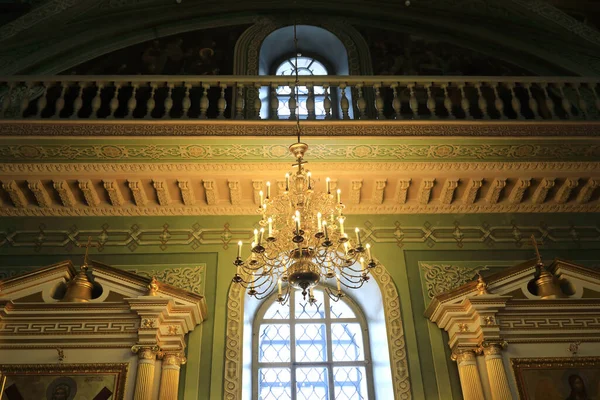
<point>306,66</point>
<point>311,352</point>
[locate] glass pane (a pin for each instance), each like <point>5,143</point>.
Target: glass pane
<point>305,310</point>
<point>350,383</point>
<point>340,309</point>
<point>312,383</point>
<point>277,311</point>
<point>274,343</point>
<point>274,383</point>
<point>311,344</point>
<point>346,342</point>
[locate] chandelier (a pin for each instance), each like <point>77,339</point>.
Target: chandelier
<point>302,241</point>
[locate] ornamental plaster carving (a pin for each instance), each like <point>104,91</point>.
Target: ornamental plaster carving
<point>41,194</point>
<point>516,195</point>
<point>472,191</point>
<point>494,192</point>
<point>425,191</point>
<point>235,192</point>
<point>540,194</point>
<point>441,278</point>
<point>137,190</point>
<point>162,193</point>
<point>395,331</point>
<point>378,190</point>
<point>448,190</point>
<point>355,187</point>
<point>188,278</point>
<point>563,193</point>
<point>210,191</point>
<point>402,190</point>
<point>23,128</point>
<point>65,193</point>
<point>187,192</point>
<point>15,193</point>
<point>89,192</point>
<point>114,192</point>
<point>587,190</point>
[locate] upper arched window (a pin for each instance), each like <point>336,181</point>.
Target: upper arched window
<point>305,66</point>
<point>308,351</point>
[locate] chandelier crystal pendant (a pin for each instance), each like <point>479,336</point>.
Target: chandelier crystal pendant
<point>302,239</point>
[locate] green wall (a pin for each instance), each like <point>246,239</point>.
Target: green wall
<point>414,249</point>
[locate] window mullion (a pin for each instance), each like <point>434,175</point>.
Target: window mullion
<point>292,300</point>
<point>329,346</point>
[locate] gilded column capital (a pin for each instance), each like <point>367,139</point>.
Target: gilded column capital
<point>465,355</point>
<point>146,352</point>
<point>492,348</point>
<point>173,358</point>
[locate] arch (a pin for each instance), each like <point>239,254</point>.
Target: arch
<point>235,336</point>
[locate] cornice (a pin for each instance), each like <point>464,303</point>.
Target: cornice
<point>269,128</point>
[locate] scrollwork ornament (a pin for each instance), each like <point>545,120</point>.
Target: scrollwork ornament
<point>464,355</point>
<point>492,348</point>
<point>146,352</point>
<point>173,358</point>
<point>441,278</point>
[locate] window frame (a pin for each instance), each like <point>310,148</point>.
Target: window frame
<point>332,91</point>
<point>292,321</point>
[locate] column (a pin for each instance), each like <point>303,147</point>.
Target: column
<point>470,381</point>
<point>496,372</point>
<point>169,380</point>
<point>144,380</point>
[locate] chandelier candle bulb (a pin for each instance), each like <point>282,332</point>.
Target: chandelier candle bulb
<point>260,194</point>
<point>279,286</point>
<point>325,229</point>
<point>319,222</point>
<point>369,251</point>
<point>253,253</point>
<point>287,182</point>
<point>339,288</point>
<point>255,237</point>
<point>362,264</point>
<point>270,221</point>
<point>357,231</point>
<point>262,232</point>
<point>346,248</point>
<point>298,218</point>
<point>239,249</point>
<point>339,196</point>
<point>342,233</point>
<point>308,175</point>
<point>268,190</point>
<point>327,183</point>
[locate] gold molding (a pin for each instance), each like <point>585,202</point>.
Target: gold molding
<point>394,328</point>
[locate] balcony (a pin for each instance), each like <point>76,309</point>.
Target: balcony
<point>265,105</point>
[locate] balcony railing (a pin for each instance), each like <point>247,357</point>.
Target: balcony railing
<point>322,97</point>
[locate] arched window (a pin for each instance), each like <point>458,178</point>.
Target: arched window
<point>306,66</point>
<point>311,352</point>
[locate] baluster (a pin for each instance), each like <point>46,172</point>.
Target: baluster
<point>514,102</point>
<point>464,102</point>
<point>151,103</point>
<point>592,87</point>
<point>97,100</point>
<point>581,102</point>
<point>379,103</point>
<point>239,102</point>
<point>186,102</point>
<point>533,105</point>
<point>59,104</point>
<point>413,102</point>
<point>42,101</point>
<point>361,103</point>
<point>7,99</point>
<point>257,102</point>
<point>448,101</point>
<point>344,103</point>
<point>114,102</point>
<point>566,104</point>
<point>396,103</point>
<point>132,102</point>
<point>204,101</point>
<point>498,103</point>
<point>481,102</point>
<point>222,103</point>
<point>25,100</point>
<point>168,103</point>
<point>292,104</point>
<point>310,101</point>
<point>430,101</point>
<point>327,102</point>
<point>549,101</point>
<point>274,101</point>
<point>78,102</point>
